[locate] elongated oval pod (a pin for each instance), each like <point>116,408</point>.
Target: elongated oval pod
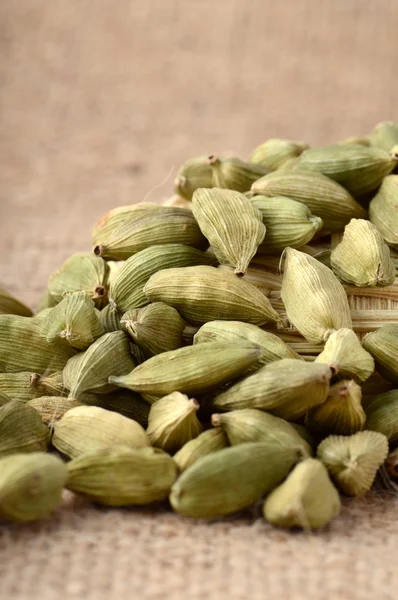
<point>274,153</point>
<point>383,212</point>
<point>382,344</point>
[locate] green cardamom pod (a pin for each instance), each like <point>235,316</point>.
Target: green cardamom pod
<point>360,169</point>
<point>21,429</point>
<point>206,443</point>
<point>122,476</point>
<point>191,370</point>
<point>382,344</point>
<point>354,460</point>
<point>89,371</point>
<point>231,223</point>
<point>383,212</point>
<point>30,486</point>
<point>231,479</point>
<point>213,171</point>
<point>274,153</point>
<point>382,415</point>
<point>86,428</point>
<point>81,272</point>
<point>307,499</point>
<point>288,223</point>
<point>346,357</point>
<point>324,197</point>
<point>155,328</point>
<point>384,135</point>
<point>25,386</point>
<point>202,294</point>
<point>127,289</point>
<point>315,301</point>
<point>172,422</point>
<point>109,318</point>
<point>287,388</point>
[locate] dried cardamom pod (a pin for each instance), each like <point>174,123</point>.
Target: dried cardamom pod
<point>323,196</point>
<point>26,385</point>
<point>251,425</point>
<point>155,328</point>
<point>345,355</point>
<point>362,258</point>
<point>384,135</point>
<point>23,349</point>
<point>160,225</point>
<point>360,169</point>
<point>315,301</point>
<point>21,429</point>
<point>86,428</point>
<point>231,479</point>
<point>382,415</point>
<point>354,460</point>
<point>206,443</point>
<point>172,422</point>
<point>237,332</point>
<point>127,289</point>
<point>232,225</point>
<point>74,319</point>
<point>30,486</point>
<point>288,223</point>
<point>81,272</point>
<point>213,171</point>
<point>52,408</point>
<point>307,499</point>
<point>191,370</point>
<point>274,153</point>
<point>121,215</point>
<point>89,371</point>
<point>202,294</point>
<point>109,318</point>
<point>382,344</point>
<point>122,476</point>
<point>383,212</point>
<point>11,306</point>
<point>287,388</point>
<point>341,413</point>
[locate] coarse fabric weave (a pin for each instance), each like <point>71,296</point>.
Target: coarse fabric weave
<point>100,102</point>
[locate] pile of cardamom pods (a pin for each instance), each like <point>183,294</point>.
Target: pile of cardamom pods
<point>236,344</point>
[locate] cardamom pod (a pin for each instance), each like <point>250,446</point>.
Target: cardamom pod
<point>274,153</point>
<point>122,476</point>
<point>231,224</point>
<point>251,425</point>
<point>384,135</point>
<point>21,429</point>
<point>30,486</point>
<point>382,344</point>
<point>353,461</point>
<point>288,223</point>
<point>231,479</point>
<point>86,428</point>
<point>362,258</point>
<point>172,422</point>
<point>307,499</point>
<point>81,272</point>
<point>109,318</point>
<point>323,196</point>
<point>155,328</point>
<point>237,332</point>
<point>287,388</point>
<point>202,294</point>
<point>26,385</point>
<point>360,169</point>
<point>345,355</point>
<point>160,225</point>
<point>74,319</point>
<point>213,171</point>
<point>341,413</point>
<point>383,212</point>
<point>206,443</point>
<point>382,415</point>
<point>315,301</point>
<point>191,370</point>
<point>127,290</point>
<point>11,306</point>
<point>89,371</point>
<point>23,349</point>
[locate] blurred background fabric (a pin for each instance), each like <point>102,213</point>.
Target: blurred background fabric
<point>100,102</point>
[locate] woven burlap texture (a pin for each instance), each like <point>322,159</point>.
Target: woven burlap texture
<point>100,102</point>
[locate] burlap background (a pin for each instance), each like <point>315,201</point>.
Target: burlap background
<point>100,102</point>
